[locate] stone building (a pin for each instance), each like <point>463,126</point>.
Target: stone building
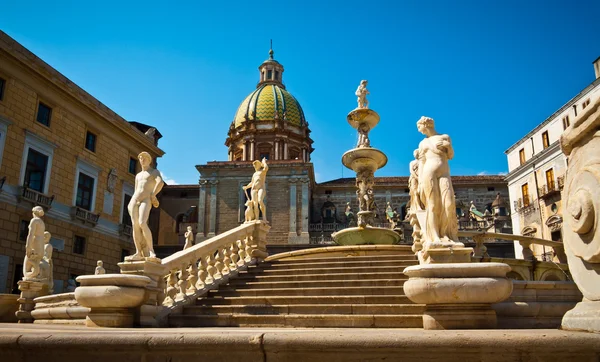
<point>537,169</point>
<point>270,123</point>
<point>64,150</point>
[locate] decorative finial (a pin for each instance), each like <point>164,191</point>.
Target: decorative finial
<point>271,52</point>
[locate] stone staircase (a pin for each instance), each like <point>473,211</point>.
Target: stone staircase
<point>332,291</point>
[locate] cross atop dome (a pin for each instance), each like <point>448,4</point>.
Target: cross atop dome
<point>271,71</point>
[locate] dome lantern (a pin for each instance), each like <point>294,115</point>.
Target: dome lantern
<point>271,71</point>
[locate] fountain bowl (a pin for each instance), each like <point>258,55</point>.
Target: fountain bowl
<point>360,116</point>
<point>369,235</point>
<point>364,158</point>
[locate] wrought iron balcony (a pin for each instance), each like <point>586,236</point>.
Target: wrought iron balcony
<point>125,230</point>
<point>549,190</point>
<point>84,215</point>
<point>36,197</point>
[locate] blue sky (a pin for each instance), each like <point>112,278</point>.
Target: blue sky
<point>486,71</point>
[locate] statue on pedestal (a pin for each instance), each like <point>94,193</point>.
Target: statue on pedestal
<point>46,265</point>
<point>99,268</point>
<point>361,93</point>
<point>148,184</point>
<point>34,245</point>
<point>189,238</point>
<point>363,135</point>
<point>257,191</point>
<point>434,187</point>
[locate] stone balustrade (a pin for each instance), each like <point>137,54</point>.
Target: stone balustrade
<point>192,272</point>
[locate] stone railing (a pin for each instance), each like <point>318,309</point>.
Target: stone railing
<point>36,197</point>
<point>192,272</point>
<point>85,216</point>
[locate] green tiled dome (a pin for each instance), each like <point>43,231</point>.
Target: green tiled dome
<point>267,103</point>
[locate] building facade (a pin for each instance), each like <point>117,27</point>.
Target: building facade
<point>537,169</point>
<point>64,150</point>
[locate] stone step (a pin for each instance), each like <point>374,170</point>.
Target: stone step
<point>245,284</point>
<point>350,275</point>
<point>347,263</point>
<point>305,299</point>
<point>333,270</point>
<point>305,309</point>
<point>408,256</point>
<point>295,320</point>
<point>365,290</point>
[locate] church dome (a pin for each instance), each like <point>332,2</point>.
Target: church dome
<point>270,101</point>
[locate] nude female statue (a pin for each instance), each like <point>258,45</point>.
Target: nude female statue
<point>434,187</point>
<point>148,184</point>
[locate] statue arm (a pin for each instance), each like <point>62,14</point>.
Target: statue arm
<point>264,165</point>
<point>159,184</point>
<point>448,145</point>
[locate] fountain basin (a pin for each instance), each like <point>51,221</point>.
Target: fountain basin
<point>366,236</point>
<point>366,158</point>
<point>360,116</point>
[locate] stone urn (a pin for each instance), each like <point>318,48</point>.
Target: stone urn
<point>458,295</point>
<point>112,298</point>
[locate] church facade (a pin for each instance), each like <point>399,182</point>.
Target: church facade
<point>270,123</point>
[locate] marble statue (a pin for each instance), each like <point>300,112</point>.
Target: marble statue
<point>350,217</point>
<point>434,187</point>
<point>111,181</point>
<point>363,136</point>
<point>257,189</point>
<point>148,183</point>
<point>100,268</point>
<point>366,198</point>
<point>361,93</point>
<point>414,204</point>
<point>189,238</point>
<point>46,265</point>
<point>34,246</point>
<point>249,213</point>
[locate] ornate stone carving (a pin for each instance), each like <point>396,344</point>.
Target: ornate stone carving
<point>148,184</point>
<point>257,192</point>
<point>111,181</point>
<point>581,234</point>
<point>361,93</point>
<point>99,268</point>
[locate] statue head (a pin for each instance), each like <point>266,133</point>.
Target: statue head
<point>257,165</point>
<point>47,237</point>
<point>364,82</point>
<point>37,211</point>
<point>189,228</point>
<point>145,159</point>
<point>425,125</point>
<point>99,263</point>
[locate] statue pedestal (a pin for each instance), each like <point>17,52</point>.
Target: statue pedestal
<point>29,291</point>
<point>584,317</point>
<point>445,255</point>
<point>156,287</point>
<point>458,295</point>
<point>112,298</point>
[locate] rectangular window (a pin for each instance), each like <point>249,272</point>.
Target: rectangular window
<point>79,245</point>
<point>545,140</point>
<point>35,171</point>
<point>269,74</point>
<point>85,190</point>
<point>276,75</point>
<point>44,114</point>
<point>566,122</point>
<point>132,165</point>
<point>522,155</point>
<point>491,189</point>
<point>575,109</point>
<point>550,179</point>
<point>126,217</point>
<point>90,141</point>
<point>585,103</point>
<point>2,84</point>
<point>23,230</point>
<point>525,192</point>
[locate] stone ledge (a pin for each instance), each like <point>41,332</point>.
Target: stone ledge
<point>71,343</point>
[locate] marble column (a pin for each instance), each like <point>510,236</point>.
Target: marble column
<point>252,155</point>
<point>244,152</point>
<point>292,235</point>
<point>304,237</point>
<point>201,234</point>
<point>276,146</point>
<point>212,222</point>
<point>285,150</point>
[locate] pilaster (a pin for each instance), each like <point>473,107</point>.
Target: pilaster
<point>213,209</point>
<point>201,234</point>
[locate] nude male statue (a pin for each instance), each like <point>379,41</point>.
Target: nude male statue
<point>189,238</point>
<point>257,188</point>
<point>361,93</point>
<point>148,184</point>
<point>34,246</point>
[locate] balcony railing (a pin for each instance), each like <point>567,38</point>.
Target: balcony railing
<point>84,215</point>
<point>524,205</point>
<point>561,182</point>
<point>549,190</point>
<point>36,197</point>
<point>125,230</point>
<point>473,225</point>
<point>329,227</point>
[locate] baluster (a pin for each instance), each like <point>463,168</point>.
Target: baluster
<point>241,252</point>
<point>213,272</point>
<point>181,284</point>
<point>218,264</point>
<point>226,260</point>
<point>233,255</point>
<point>192,279</point>
<point>203,274</point>
<point>171,289</point>
<point>162,286</point>
<point>248,247</point>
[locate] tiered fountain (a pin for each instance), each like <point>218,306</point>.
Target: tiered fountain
<point>364,160</point>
